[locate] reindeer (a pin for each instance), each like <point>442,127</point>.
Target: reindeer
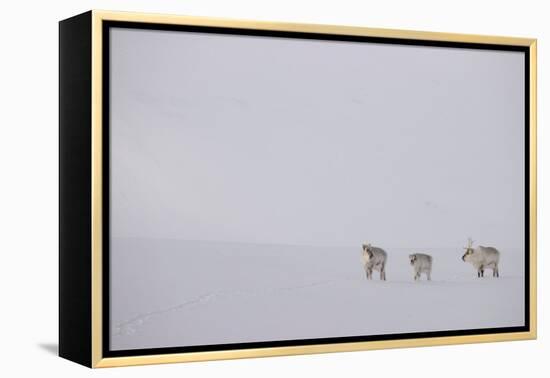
<point>421,263</point>
<point>374,258</point>
<point>481,258</point>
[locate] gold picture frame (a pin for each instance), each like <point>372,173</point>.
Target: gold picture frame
<point>82,40</point>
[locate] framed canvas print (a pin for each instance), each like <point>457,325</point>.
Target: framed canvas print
<point>236,189</point>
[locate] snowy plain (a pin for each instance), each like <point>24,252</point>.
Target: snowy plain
<point>184,293</point>
<point>350,152</point>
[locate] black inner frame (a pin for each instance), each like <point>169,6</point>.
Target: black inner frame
<point>107,25</point>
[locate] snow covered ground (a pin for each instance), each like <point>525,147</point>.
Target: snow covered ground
<point>181,293</point>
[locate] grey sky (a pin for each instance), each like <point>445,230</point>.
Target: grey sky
<point>269,140</point>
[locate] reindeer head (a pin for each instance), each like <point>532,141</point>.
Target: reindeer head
<point>412,259</point>
<point>367,251</point>
<point>469,250</point>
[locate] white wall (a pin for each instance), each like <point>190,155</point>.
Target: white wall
<point>28,194</point>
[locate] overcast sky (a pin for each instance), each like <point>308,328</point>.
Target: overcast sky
<point>272,140</point>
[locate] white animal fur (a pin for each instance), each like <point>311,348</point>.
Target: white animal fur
<point>421,263</point>
<point>374,258</point>
<point>482,258</point>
